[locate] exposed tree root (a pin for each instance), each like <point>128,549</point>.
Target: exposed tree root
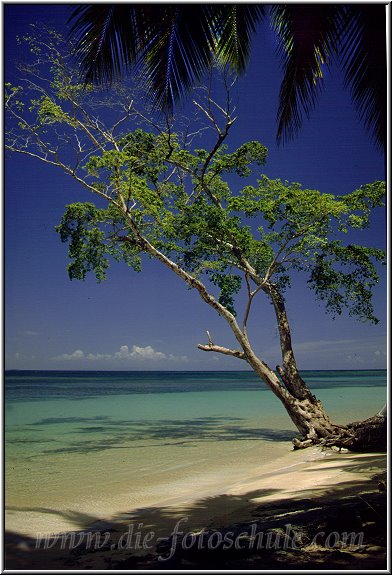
<point>367,435</point>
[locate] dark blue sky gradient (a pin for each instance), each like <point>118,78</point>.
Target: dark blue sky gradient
<point>150,320</point>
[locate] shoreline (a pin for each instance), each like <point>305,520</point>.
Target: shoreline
<point>296,489</point>
<point>208,478</point>
<point>28,521</point>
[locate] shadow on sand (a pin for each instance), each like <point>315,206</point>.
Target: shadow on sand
<point>101,433</point>
<point>241,532</point>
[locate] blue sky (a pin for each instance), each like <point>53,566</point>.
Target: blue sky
<point>150,320</point>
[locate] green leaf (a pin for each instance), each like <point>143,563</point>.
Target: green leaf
<point>229,285</point>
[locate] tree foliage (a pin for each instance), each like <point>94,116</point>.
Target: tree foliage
<point>206,213</point>
<point>163,197</point>
<point>266,230</point>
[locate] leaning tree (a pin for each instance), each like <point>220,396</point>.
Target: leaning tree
<point>159,197</point>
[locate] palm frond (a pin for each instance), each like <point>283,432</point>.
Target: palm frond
<point>175,44</point>
<point>172,42</point>
<point>234,27</point>
<point>363,57</point>
<point>307,36</point>
<point>179,51</point>
<point>106,40</point>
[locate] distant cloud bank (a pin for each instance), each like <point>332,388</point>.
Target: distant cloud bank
<point>124,354</point>
<point>347,351</point>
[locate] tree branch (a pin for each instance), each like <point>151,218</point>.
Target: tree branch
<point>289,373</point>
<point>184,275</point>
<point>251,295</point>
<point>226,351</point>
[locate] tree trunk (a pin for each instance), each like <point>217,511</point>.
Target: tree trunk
<point>304,409</point>
<point>367,435</point>
<point>316,428</point>
<point>307,413</point>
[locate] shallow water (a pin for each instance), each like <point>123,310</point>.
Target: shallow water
<point>81,446</point>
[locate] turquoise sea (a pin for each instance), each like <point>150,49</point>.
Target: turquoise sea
<point>81,446</point>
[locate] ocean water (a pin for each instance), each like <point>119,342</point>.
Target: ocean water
<point>84,446</point>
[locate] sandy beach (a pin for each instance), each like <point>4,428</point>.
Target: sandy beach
<point>308,508</point>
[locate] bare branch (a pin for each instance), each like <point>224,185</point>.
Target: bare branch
<point>226,351</point>
<point>65,168</point>
<point>249,303</point>
<point>220,349</point>
<point>123,119</point>
<point>251,295</point>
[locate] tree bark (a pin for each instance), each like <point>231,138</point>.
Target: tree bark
<point>304,409</point>
<point>368,435</point>
<point>288,371</point>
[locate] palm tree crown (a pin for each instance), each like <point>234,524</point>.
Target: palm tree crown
<point>174,45</point>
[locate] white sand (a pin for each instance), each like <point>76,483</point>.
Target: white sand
<point>216,498</point>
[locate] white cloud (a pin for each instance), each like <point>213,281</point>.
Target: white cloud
<point>98,356</point>
<point>123,353</point>
<point>347,353</point>
<point>77,354</point>
<point>137,353</point>
<point>172,357</point>
<point>322,344</point>
<point>350,347</point>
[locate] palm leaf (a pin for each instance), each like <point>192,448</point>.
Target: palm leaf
<point>179,51</point>
<point>363,57</point>
<point>184,41</point>
<point>307,36</point>
<point>106,40</point>
<point>172,42</point>
<point>234,28</point>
